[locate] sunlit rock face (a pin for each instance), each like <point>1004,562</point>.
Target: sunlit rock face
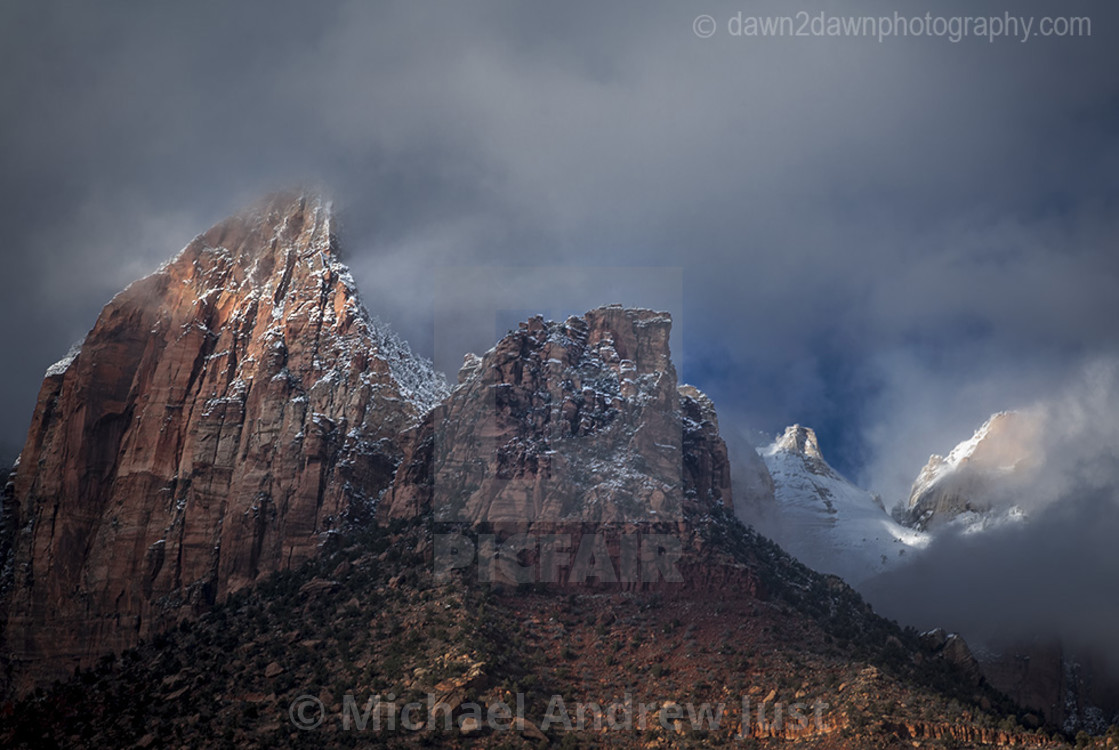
<point>223,415</point>
<point>980,474</point>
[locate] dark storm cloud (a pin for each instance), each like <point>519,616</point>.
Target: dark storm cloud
<point>1053,577</point>
<point>885,240</point>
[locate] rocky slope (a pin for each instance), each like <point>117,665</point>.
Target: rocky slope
<point>1074,689</point>
<point>827,522</point>
<point>367,618</point>
<point>222,417</point>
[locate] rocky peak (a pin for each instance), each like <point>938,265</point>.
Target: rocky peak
<point>579,420</point>
<point>978,473</point>
<point>824,519</point>
<point>801,441</point>
<point>222,417</point>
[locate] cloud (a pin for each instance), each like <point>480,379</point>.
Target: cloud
<point>886,241</point>
<point>858,223</point>
<point>1046,577</point>
<point>1074,403</point>
<point>1020,582</point>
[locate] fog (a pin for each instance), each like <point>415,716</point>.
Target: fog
<point>1052,574</point>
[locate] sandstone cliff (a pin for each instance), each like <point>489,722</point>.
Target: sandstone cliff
<point>221,417</point>
<point>579,421</point>
<point>577,427</point>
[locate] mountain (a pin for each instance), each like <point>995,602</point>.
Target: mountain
<point>560,528</point>
<point>222,419</point>
<point>978,482</point>
<point>826,521</point>
<point>367,620</point>
<point>245,511</point>
<point>579,421</point>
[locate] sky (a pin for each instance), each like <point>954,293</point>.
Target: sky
<point>887,240</point>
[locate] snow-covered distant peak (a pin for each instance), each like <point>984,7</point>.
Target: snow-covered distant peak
<point>967,479</point>
<point>825,520</point>
<point>799,440</point>
<point>965,450</point>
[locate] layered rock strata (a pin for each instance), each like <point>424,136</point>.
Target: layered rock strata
<point>222,417</point>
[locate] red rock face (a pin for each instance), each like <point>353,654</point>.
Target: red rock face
<point>560,423</point>
<point>572,443</point>
<point>222,417</point>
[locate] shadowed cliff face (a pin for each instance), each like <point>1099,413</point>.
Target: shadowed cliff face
<point>222,415</point>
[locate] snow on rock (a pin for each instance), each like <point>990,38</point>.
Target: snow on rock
<point>226,413</point>
<point>579,421</point>
<point>415,376</point>
<point>61,366</point>
<point>976,479</point>
<point>825,520</point>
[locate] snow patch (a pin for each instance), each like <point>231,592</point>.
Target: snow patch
<point>61,366</point>
<point>832,525</point>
